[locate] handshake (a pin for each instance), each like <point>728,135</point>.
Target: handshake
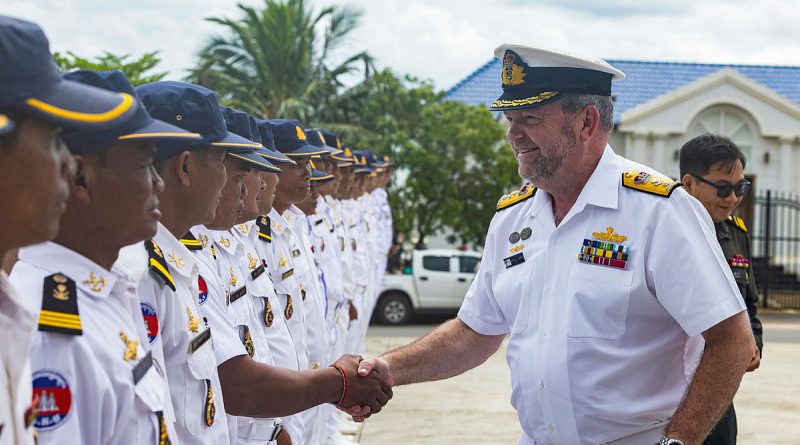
<point>366,385</point>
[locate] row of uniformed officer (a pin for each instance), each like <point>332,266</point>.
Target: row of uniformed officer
<point>124,351</point>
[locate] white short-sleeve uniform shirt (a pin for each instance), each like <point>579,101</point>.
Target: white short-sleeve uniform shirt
<point>176,323</point>
<point>597,352</point>
<point>100,386</point>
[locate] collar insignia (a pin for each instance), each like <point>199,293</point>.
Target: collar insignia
<point>96,284</point>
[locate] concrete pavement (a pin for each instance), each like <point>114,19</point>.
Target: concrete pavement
<point>475,408</point>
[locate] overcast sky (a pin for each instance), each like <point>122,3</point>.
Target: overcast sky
<point>446,40</point>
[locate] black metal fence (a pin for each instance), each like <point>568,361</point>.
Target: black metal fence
<point>775,237</point>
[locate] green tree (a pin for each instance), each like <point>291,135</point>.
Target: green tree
<point>276,61</point>
<point>454,164</point>
<point>138,70</point>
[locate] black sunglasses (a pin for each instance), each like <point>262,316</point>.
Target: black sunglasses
<point>724,190</point>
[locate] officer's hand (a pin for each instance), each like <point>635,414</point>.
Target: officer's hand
<point>755,362</point>
<point>372,366</point>
<point>367,394</point>
<point>353,312</point>
<point>284,438</point>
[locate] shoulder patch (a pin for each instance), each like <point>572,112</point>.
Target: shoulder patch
<point>738,222</point>
<point>649,183</point>
<point>516,197</point>
<point>158,265</point>
<point>191,242</point>
<point>60,306</point>
<point>264,229</point>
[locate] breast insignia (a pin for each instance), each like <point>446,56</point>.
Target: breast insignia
<point>60,306</point>
<point>649,183</point>
<point>527,191</point>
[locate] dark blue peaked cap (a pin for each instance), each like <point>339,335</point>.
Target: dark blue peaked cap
<point>193,108</point>
<point>268,141</point>
<point>141,127</point>
<point>238,122</point>
<point>290,139</point>
<point>30,81</point>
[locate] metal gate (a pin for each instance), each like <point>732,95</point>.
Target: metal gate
<point>775,237</point>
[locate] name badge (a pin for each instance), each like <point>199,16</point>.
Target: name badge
<point>200,340</point>
<point>296,253</point>
<point>287,274</point>
<point>237,294</point>
<point>514,260</point>
<point>257,272</point>
<point>142,367</point>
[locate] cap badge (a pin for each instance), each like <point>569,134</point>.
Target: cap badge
<point>512,74</point>
<point>300,134</point>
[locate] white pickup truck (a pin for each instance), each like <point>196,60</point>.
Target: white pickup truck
<point>438,281</point>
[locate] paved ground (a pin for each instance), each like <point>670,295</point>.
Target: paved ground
<point>475,408</point>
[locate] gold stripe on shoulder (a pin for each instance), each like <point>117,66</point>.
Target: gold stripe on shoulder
<point>649,183</point>
<point>513,198</point>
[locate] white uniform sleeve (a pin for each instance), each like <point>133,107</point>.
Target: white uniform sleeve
<point>686,269</point>
<point>480,310</point>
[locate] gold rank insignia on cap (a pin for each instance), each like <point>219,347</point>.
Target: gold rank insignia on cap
<point>649,183</point>
<point>194,322</point>
<point>300,134</point>
<point>158,265</point>
<point>210,409</point>
<point>96,284</point>
<point>131,346</point>
<point>512,74</point>
<point>60,306</point>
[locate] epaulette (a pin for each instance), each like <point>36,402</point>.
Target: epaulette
<point>738,222</point>
<point>60,306</point>
<point>527,191</point>
<point>191,242</point>
<point>158,264</point>
<point>264,229</point>
<point>649,183</point>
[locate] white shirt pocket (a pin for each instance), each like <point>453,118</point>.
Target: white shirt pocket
<point>199,374</point>
<point>599,297</point>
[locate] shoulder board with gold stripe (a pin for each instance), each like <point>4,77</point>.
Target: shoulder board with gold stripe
<point>516,197</point>
<point>649,183</point>
<point>191,242</point>
<point>158,265</point>
<point>264,230</point>
<point>60,306</point>
<point>738,222</point>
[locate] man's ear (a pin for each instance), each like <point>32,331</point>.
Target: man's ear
<point>82,182</point>
<point>183,168</point>
<point>689,183</point>
<point>590,122</point>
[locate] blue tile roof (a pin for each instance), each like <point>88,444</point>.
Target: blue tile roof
<point>645,81</point>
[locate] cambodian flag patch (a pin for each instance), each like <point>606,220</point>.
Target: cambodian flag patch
<point>203,287</point>
<point>150,321</point>
<point>55,399</point>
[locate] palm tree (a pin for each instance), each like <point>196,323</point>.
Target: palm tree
<point>274,62</point>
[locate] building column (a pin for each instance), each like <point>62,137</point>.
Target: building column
<point>638,149</point>
<point>787,170</point>
<point>658,154</point>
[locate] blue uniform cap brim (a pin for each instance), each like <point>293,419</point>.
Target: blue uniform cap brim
<point>256,161</point>
<point>78,106</point>
<point>340,163</point>
<point>236,144</point>
<point>6,125</point>
<point>321,177</point>
<point>306,150</point>
<point>275,157</point>
<point>160,131</point>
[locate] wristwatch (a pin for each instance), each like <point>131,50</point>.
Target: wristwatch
<point>667,441</point>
